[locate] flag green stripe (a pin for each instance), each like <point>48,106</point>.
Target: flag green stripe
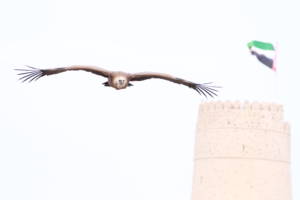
<point>261,45</point>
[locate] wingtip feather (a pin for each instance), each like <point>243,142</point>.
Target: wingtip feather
<point>29,74</point>
<point>207,89</point>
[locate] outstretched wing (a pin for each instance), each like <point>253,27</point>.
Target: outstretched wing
<point>32,73</point>
<point>203,89</point>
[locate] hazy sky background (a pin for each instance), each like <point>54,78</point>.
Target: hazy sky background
<point>68,137</point>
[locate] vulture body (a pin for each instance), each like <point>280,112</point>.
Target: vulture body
<point>116,79</point>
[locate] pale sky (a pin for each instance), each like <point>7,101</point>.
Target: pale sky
<point>68,137</point>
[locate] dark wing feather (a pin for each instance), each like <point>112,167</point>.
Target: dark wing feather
<point>203,89</point>
<point>32,73</point>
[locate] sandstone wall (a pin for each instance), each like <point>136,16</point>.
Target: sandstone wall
<point>242,152</point>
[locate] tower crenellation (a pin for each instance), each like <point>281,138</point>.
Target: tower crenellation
<point>263,116</point>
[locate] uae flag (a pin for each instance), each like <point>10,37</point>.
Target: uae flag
<point>264,52</point>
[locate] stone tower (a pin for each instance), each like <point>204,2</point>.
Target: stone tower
<point>242,152</point>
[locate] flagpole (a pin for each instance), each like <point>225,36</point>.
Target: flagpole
<point>275,68</point>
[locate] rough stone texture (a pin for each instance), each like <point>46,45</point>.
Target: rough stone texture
<point>242,152</point>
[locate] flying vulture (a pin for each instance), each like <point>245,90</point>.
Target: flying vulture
<point>117,79</point>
